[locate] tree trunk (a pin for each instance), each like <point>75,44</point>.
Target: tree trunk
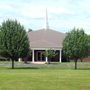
<point>75,63</point>
<point>49,59</point>
<point>12,63</point>
<point>49,62</point>
<point>81,60</point>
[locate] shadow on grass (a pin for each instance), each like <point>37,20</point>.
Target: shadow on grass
<point>25,68</point>
<point>83,69</point>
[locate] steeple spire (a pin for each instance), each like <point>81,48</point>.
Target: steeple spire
<point>47,25</point>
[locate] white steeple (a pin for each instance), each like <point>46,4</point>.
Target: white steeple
<point>47,25</point>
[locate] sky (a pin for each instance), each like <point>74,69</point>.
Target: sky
<point>63,15</point>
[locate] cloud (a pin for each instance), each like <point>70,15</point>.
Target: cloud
<point>59,10</point>
<point>63,14</point>
<point>5,7</point>
<point>33,12</point>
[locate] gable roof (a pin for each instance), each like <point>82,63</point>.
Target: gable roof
<point>46,39</point>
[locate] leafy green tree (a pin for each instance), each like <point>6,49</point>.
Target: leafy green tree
<point>89,45</point>
<point>75,45</point>
<point>50,53</point>
<point>13,40</point>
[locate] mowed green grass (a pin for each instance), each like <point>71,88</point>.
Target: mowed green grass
<point>44,78</point>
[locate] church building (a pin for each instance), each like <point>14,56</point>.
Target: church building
<point>43,40</point>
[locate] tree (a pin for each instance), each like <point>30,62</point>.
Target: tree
<point>89,45</point>
<point>13,40</point>
<point>50,53</point>
<point>75,45</point>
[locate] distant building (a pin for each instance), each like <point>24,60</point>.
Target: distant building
<point>43,40</point>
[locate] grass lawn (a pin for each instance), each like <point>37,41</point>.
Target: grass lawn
<point>45,77</point>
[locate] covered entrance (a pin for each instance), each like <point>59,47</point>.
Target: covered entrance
<point>39,55</point>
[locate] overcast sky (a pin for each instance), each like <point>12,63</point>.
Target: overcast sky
<point>63,15</point>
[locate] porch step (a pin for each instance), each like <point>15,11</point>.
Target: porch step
<point>38,62</point>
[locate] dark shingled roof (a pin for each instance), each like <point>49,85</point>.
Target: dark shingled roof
<point>46,38</point>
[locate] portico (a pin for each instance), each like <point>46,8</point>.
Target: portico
<point>38,55</point>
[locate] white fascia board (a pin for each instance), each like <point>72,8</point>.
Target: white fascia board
<point>55,48</point>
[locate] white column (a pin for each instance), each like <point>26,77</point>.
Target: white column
<point>33,55</point>
<point>60,56</point>
<point>46,58</point>
<point>19,59</point>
